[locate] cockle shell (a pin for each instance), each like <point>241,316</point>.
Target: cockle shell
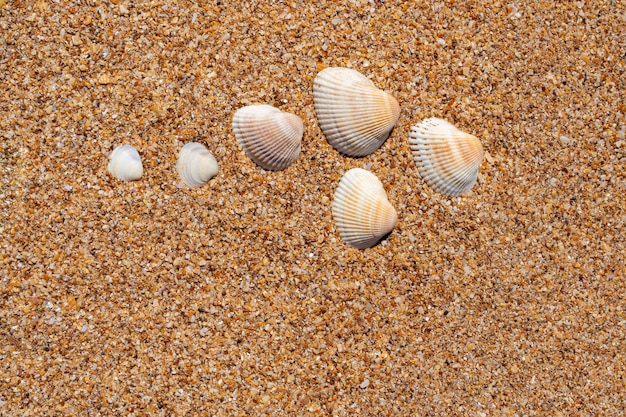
<point>361,209</point>
<point>270,137</point>
<point>447,158</point>
<point>355,116</point>
<point>196,164</point>
<point>125,163</point>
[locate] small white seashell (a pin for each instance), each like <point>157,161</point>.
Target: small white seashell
<point>196,164</point>
<point>447,158</point>
<point>355,116</point>
<point>125,163</point>
<point>361,209</point>
<point>270,137</point>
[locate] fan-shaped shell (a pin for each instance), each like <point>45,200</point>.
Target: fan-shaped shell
<point>355,116</point>
<point>361,209</point>
<point>270,137</point>
<point>447,158</point>
<point>125,163</point>
<point>196,164</point>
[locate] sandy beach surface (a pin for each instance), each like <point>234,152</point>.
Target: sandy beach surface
<point>240,298</point>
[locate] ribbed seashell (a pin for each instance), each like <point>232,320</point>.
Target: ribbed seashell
<point>270,137</point>
<point>361,209</point>
<point>447,158</point>
<point>355,116</point>
<point>196,164</point>
<point>125,163</point>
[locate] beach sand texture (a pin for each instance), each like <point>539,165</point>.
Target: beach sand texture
<point>240,298</point>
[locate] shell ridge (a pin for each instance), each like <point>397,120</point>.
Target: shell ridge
<point>361,210</point>
<point>125,163</point>
<point>270,137</point>
<point>447,158</point>
<point>354,115</point>
<point>196,165</point>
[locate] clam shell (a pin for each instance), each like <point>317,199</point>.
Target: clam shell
<point>361,210</point>
<point>125,163</point>
<point>270,137</point>
<point>196,164</point>
<point>355,116</point>
<point>447,158</point>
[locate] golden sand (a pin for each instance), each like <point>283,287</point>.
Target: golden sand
<point>239,298</point>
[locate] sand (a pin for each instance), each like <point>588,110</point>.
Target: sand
<point>240,298</point>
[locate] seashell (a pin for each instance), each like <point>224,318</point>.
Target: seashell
<point>196,164</point>
<point>125,163</point>
<point>361,209</point>
<point>447,158</point>
<point>270,137</point>
<point>355,116</point>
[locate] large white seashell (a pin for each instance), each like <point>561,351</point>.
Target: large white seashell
<point>125,163</point>
<point>196,164</point>
<point>270,137</point>
<point>361,210</point>
<point>447,158</point>
<point>355,116</point>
